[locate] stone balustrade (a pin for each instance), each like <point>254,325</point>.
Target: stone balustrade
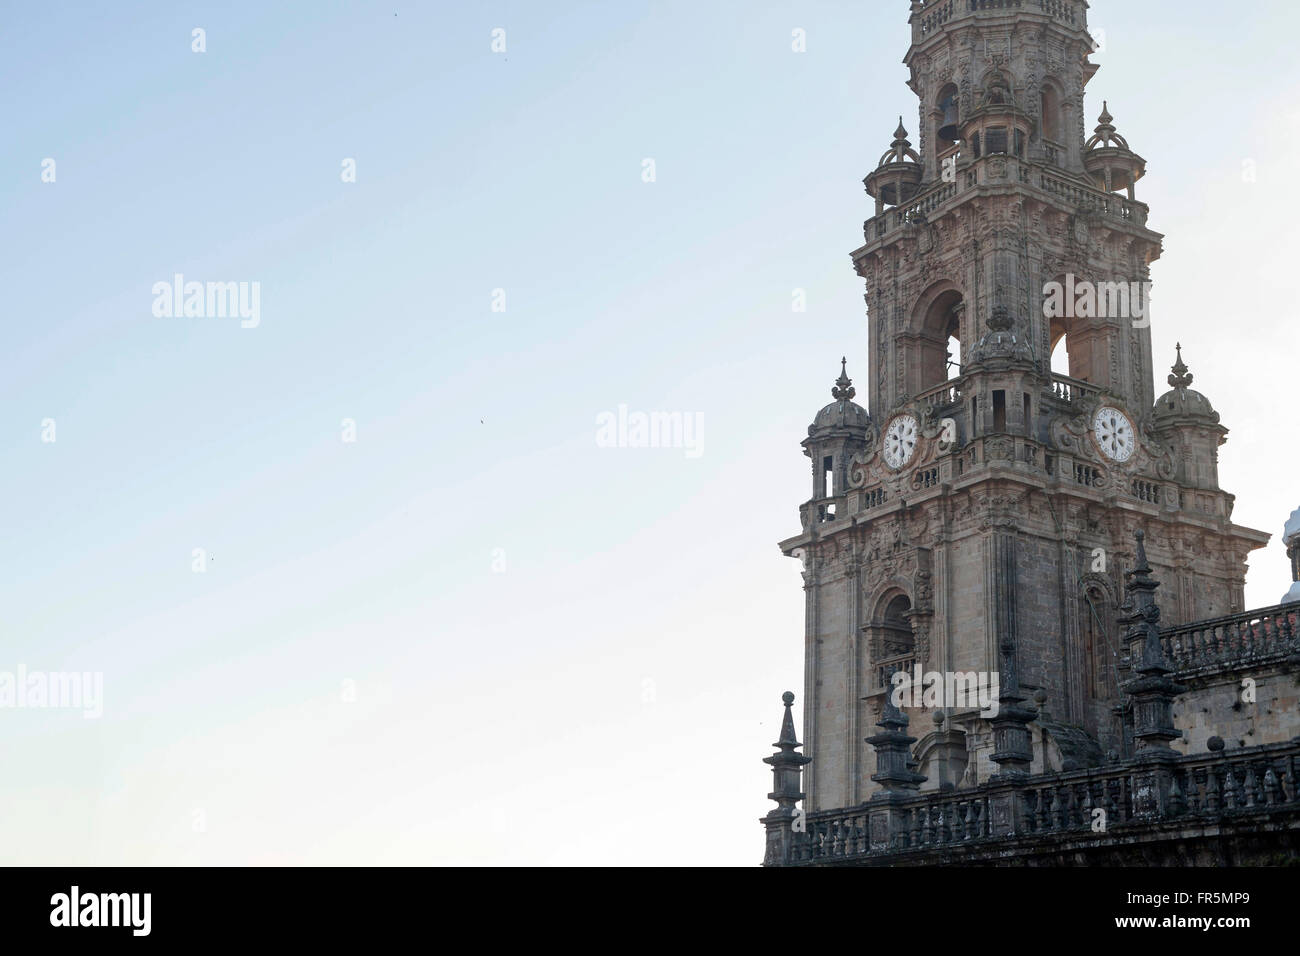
<point>1238,638</point>
<point>932,15</point>
<point>1072,191</point>
<point>1200,789</point>
<point>1074,390</point>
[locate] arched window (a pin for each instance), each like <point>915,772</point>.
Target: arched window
<point>895,629</point>
<point>947,126</point>
<point>1060,352</point>
<point>939,355</point>
<point>954,350</point>
<point>1050,105</point>
<point>890,644</point>
<point>1052,117</point>
<point>1070,338</point>
<point>1095,627</point>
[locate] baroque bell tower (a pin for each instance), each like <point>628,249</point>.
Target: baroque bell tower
<point>981,515</point>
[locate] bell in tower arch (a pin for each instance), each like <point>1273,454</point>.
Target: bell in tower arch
<point>950,124</point>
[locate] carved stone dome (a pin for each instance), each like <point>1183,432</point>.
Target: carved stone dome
<point>1183,404</point>
<point>898,174</point>
<point>1109,160</point>
<point>843,413</point>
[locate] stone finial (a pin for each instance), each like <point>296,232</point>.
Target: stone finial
<point>843,391</point>
<point>900,150</point>
<point>1181,377</point>
<point>1145,615</point>
<point>1012,743</point>
<point>783,820</point>
<point>1153,691</point>
<point>893,747</point>
<point>787,766</point>
<point>1141,586</point>
<point>788,739</point>
<point>1105,136</point>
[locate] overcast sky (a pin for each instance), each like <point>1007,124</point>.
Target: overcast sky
<point>473,635</point>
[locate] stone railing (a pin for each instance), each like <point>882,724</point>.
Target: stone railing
<point>1199,789</point>
<point>919,207</point>
<point>1238,638</point>
<point>1144,490</point>
<point>940,396</point>
<point>1071,191</point>
<point>1108,204</point>
<point>874,498</point>
<point>823,511</point>
<point>931,15</point>
<point>888,667</point>
<point>1073,390</point>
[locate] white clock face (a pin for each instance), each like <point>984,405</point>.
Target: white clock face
<point>1114,433</point>
<point>900,441</point>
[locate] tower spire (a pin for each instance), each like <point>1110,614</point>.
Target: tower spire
<point>1181,377</point>
<point>843,390</point>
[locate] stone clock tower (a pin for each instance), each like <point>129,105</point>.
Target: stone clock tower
<point>980,518</point>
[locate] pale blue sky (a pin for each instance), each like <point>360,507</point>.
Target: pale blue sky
<point>500,717</point>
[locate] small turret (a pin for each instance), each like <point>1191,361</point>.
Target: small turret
<point>898,174</point>
<point>1185,416</point>
<point>1109,160</point>
<point>840,431</point>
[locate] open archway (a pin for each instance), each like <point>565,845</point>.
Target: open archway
<point>936,341</point>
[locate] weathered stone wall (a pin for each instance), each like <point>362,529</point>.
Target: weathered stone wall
<point>1215,708</point>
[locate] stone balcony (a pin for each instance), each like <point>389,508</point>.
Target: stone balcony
<point>928,16</point>
<point>998,169</point>
<point>1178,810</point>
<point>1238,640</point>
